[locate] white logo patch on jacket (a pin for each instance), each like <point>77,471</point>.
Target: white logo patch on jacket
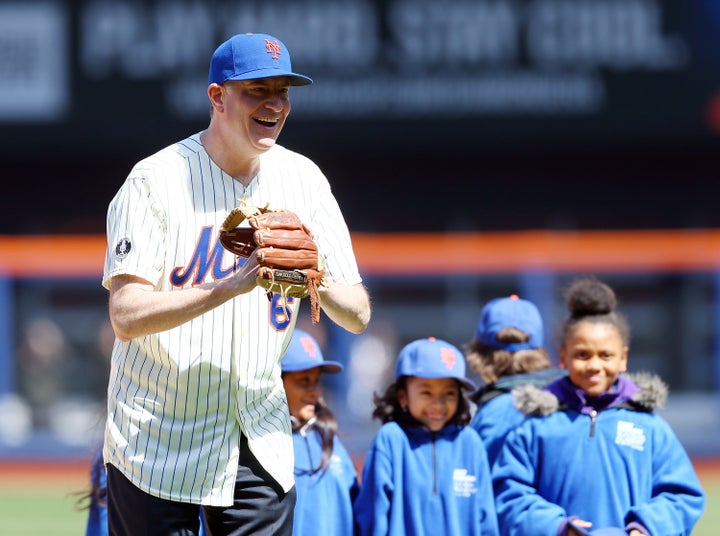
<point>464,484</point>
<point>630,436</point>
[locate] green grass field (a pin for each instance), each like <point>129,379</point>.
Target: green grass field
<point>709,523</point>
<point>39,513</point>
<point>40,500</point>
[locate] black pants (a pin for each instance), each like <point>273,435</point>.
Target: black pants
<point>260,507</point>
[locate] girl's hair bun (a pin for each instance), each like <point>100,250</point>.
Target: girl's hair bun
<point>588,296</point>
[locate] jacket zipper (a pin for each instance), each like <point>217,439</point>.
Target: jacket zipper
<point>593,417</point>
<point>307,445</point>
<point>434,435</point>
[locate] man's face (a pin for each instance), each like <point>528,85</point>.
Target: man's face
<point>254,111</point>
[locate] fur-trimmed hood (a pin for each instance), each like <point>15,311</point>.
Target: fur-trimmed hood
<point>651,394</point>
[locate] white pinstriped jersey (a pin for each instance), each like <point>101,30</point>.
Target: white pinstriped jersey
<point>178,399</point>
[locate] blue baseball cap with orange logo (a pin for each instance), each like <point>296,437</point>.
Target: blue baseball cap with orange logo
<point>508,312</point>
<point>432,358</point>
<point>304,353</point>
<point>251,56</point>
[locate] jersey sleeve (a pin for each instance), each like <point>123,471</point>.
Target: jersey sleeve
<point>332,235</point>
<point>135,234</point>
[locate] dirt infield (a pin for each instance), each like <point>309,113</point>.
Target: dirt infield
<point>707,467</point>
<point>68,476</point>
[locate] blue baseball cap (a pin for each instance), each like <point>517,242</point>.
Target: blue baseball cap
<point>304,353</point>
<point>432,358</point>
<point>251,56</point>
<point>511,312</point>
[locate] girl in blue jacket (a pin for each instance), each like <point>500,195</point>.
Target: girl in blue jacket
<point>426,472</point>
<point>325,476</point>
<point>507,351</point>
<point>94,500</point>
<point>593,457</point>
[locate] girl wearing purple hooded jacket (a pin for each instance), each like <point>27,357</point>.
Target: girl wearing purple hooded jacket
<point>593,458</point>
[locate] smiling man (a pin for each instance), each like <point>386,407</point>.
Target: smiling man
<point>197,415</point>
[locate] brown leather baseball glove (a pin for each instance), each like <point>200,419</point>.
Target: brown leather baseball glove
<point>289,260</point>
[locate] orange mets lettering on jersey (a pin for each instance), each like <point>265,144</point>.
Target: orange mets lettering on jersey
<point>447,356</point>
<point>273,47</point>
<point>204,259</point>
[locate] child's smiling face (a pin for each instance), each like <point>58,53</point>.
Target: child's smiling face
<point>302,388</point>
<point>433,402</point>
<point>594,355</point>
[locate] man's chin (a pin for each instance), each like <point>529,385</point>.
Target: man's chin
<point>266,143</point>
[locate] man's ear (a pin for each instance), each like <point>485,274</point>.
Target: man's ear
<point>216,93</point>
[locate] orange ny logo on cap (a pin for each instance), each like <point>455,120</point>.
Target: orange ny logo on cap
<point>308,346</point>
<point>447,356</point>
<point>273,47</point>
